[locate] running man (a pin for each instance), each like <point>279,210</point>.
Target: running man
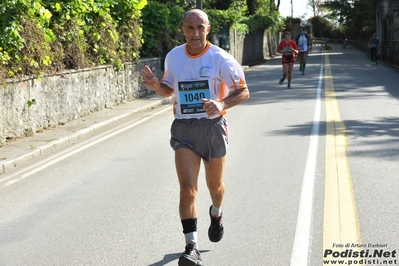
<point>205,81</point>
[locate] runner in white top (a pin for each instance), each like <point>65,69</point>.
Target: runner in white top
<point>303,43</point>
<point>205,81</point>
<point>213,74</point>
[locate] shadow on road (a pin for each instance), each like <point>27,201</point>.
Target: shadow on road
<point>171,257</point>
<point>387,127</point>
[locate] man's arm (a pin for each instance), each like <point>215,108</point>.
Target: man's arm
<point>217,107</point>
<point>152,82</point>
<point>164,90</point>
<point>236,97</point>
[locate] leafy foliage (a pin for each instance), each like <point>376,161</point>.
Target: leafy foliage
<point>220,5</point>
<point>246,16</point>
<point>162,21</point>
<point>230,17</point>
<point>322,27</point>
<point>44,36</point>
<point>161,28</point>
<point>261,15</point>
<point>316,6</point>
<point>339,10</point>
<point>362,21</point>
<point>25,38</point>
<point>290,22</point>
<point>356,18</point>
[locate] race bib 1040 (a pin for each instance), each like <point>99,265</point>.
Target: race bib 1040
<point>190,94</point>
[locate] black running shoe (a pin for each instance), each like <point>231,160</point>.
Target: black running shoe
<point>289,86</point>
<point>281,81</point>
<point>190,257</point>
<point>216,228</point>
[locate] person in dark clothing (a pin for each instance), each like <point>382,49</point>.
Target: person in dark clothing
<point>373,45</point>
<point>342,40</point>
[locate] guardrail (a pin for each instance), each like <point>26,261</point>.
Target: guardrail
<point>320,41</point>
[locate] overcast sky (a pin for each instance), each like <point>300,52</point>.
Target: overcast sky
<point>300,8</point>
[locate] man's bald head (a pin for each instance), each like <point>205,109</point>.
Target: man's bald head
<point>197,12</point>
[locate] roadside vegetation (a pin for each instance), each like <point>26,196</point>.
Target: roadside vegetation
<point>43,37</point>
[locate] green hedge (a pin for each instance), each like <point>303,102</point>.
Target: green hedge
<point>161,28</point>
<point>38,37</point>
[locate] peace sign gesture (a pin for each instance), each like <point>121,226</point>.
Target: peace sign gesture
<point>149,79</point>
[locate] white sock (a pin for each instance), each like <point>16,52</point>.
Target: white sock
<point>216,211</point>
<point>191,238</point>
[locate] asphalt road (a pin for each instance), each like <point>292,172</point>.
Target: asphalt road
<point>310,170</point>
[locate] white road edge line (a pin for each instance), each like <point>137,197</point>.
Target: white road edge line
<point>301,247</point>
<point>24,173</point>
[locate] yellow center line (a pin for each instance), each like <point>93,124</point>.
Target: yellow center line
<point>341,227</point>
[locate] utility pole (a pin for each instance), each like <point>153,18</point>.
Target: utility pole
<point>199,4</point>
<point>292,10</point>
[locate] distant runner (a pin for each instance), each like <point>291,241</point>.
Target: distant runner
<point>373,45</point>
<point>288,48</point>
<point>303,42</point>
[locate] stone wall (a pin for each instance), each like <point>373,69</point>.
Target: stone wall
<point>62,97</point>
<point>253,48</point>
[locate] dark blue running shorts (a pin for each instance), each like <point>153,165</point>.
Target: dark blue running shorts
<point>206,137</point>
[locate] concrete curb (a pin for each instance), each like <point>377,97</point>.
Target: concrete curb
<point>12,163</point>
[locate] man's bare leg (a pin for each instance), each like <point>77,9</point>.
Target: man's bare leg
<point>214,178</point>
<point>187,167</point>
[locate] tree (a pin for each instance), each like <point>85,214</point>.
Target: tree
<point>362,21</point>
<point>340,10</point>
<point>219,4</point>
<point>322,27</point>
<point>355,17</point>
<point>316,6</point>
